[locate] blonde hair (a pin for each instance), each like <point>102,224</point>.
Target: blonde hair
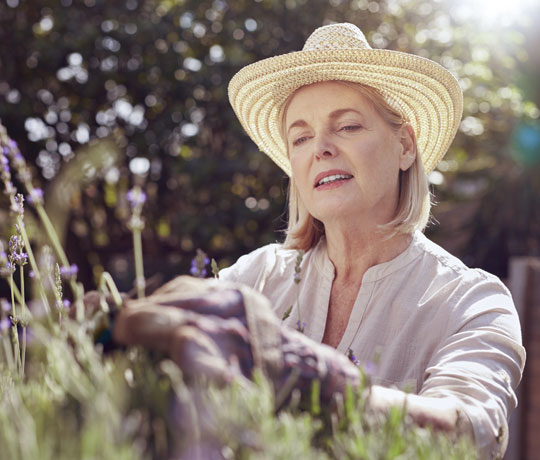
<point>414,200</point>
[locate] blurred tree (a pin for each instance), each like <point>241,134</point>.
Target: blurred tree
<point>151,78</point>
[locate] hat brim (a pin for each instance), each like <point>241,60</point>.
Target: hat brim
<point>426,93</point>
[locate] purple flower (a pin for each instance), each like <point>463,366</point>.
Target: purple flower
<point>36,196</point>
<point>15,244</point>
<point>66,304</point>
<point>352,357</point>
<point>10,188</point>
<point>7,269</point>
<point>17,206</point>
<point>198,264</point>
<point>12,144</point>
<point>20,258</point>
<point>370,367</point>
<point>6,306</point>
<point>196,269</point>
<point>68,272</point>
<point>136,197</point>
<point>5,324</point>
<point>301,327</point>
<point>18,161</point>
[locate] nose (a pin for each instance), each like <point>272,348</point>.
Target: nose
<point>324,149</point>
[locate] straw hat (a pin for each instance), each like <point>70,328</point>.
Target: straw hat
<point>424,92</point>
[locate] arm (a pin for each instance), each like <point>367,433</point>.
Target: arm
<point>478,364</point>
<point>186,327</point>
<point>443,414</point>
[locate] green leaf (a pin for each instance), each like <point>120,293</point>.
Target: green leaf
<point>287,313</point>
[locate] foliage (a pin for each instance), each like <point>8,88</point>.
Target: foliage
<point>77,403</point>
<point>140,86</point>
<point>62,396</point>
<point>103,96</point>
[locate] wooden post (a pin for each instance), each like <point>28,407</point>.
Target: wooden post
<point>524,283</point>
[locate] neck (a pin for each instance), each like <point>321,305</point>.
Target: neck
<point>353,252</point>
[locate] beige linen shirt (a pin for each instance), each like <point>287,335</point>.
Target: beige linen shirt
<point>432,325</point>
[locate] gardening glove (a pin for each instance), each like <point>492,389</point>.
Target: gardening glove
<point>224,331</point>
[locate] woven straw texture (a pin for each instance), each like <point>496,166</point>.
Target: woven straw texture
<point>424,92</point>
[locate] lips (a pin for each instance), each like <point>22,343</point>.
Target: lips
<point>330,177</point>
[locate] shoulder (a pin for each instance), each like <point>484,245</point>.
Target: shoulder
<point>448,267</point>
<point>253,268</point>
<point>474,295</point>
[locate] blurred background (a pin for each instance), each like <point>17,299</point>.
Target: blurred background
<point>103,95</point>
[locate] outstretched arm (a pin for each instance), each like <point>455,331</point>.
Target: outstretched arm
<point>222,332</point>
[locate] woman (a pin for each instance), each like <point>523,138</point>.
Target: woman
<point>356,130</point>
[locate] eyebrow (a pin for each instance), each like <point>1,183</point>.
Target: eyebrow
<point>335,114</point>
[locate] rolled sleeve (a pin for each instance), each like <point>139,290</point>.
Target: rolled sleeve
<point>480,363</point>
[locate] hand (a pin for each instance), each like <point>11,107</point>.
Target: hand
<point>206,335</point>
<point>442,414</point>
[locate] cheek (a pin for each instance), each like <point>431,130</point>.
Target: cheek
<point>300,173</point>
<point>299,167</point>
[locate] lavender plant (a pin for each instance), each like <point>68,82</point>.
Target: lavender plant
<point>136,198</point>
<point>199,264</point>
<point>300,325</point>
<point>66,399</point>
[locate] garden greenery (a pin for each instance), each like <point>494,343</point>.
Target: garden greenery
<point>63,397</point>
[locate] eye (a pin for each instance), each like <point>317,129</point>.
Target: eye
<point>300,140</point>
<point>351,128</point>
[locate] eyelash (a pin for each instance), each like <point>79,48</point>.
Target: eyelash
<point>350,128</point>
<point>299,141</point>
<point>302,139</point>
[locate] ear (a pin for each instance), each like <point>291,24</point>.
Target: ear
<point>407,138</point>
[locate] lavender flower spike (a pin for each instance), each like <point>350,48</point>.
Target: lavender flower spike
<point>68,272</point>
<point>35,196</point>
<point>198,264</point>
<point>5,324</point>
<point>136,197</point>
<point>17,206</point>
<point>6,306</point>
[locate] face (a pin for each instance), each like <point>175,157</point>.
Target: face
<point>345,157</point>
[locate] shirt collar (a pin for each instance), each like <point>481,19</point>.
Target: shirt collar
<point>412,252</point>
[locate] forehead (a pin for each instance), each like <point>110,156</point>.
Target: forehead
<point>325,97</point>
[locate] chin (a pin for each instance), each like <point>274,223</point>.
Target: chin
<point>333,211</point>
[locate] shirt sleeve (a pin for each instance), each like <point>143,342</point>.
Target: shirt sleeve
<point>481,360</point>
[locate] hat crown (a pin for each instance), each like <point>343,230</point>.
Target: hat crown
<point>336,36</point>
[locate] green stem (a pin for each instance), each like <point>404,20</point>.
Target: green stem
<point>76,288</point>
<point>139,270</point>
<point>298,305</point>
<point>14,334</point>
<point>53,237</point>
<point>15,291</point>
<point>12,285</point>
<point>9,352</point>
<point>106,283</point>
<point>24,319</point>
<point>78,292</point>
<point>35,269</point>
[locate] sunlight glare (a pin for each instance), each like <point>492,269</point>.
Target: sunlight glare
<point>495,12</point>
